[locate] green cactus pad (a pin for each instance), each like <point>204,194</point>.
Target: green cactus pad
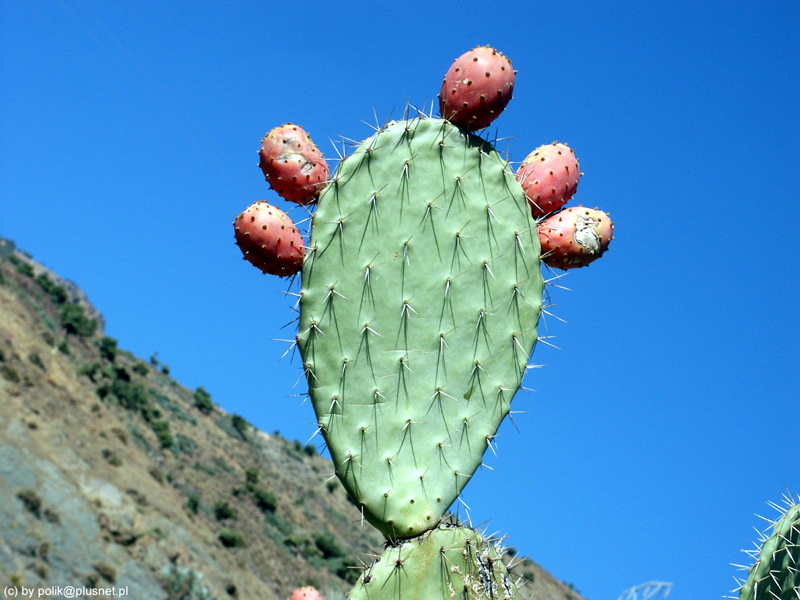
<point>421,296</point>
<point>447,562</point>
<point>776,572</point>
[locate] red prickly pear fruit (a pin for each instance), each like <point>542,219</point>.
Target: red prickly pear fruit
<point>293,165</point>
<point>575,237</point>
<point>268,238</point>
<point>306,593</point>
<point>549,176</point>
<point>477,88</point>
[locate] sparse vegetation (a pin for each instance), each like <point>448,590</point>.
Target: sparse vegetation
<point>193,503</point>
<point>56,292</point>
<point>240,424</point>
<point>140,369</point>
<point>161,429</point>
<point>328,545</point>
<point>108,348</point>
<point>223,511</point>
<point>231,539</point>
<point>265,500</point>
<point>251,476</point>
<point>32,502</point>
<point>75,321</point>
<point>106,571</point>
<point>182,583</point>
<point>23,268</point>
<point>203,401</point>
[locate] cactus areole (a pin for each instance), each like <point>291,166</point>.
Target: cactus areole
<point>421,295</point>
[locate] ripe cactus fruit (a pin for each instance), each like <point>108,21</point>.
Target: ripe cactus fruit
<point>447,562</point>
<point>268,238</point>
<point>306,593</point>
<point>292,164</point>
<point>477,88</point>
<point>775,575</point>
<point>549,176</point>
<point>421,295</point>
<point>575,237</point>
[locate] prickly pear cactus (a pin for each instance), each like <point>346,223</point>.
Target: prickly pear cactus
<point>775,575</point>
<point>420,300</point>
<point>446,562</point>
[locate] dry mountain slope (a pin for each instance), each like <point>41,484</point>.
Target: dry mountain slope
<point>113,474</point>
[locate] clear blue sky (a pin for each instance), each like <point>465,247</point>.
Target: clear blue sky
<point>128,139</point>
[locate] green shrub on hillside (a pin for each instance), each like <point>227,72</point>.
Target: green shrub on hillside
<point>223,511</point>
<point>75,321</point>
<point>265,500</point>
<point>108,348</point>
<point>161,429</point>
<point>202,400</point>
<point>57,292</point>
<point>231,539</point>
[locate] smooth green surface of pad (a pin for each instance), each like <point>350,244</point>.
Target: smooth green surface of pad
<point>421,295</point>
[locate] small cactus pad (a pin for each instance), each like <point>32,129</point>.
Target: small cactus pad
<point>446,563</point>
<point>269,239</point>
<point>775,575</point>
<point>477,88</point>
<point>575,237</point>
<point>549,176</point>
<point>292,164</point>
<point>421,296</point>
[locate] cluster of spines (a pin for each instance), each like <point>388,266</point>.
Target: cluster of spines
<point>452,561</point>
<point>775,572</point>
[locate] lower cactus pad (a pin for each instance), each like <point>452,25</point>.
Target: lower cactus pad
<point>445,563</point>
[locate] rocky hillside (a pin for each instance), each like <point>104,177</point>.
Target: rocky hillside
<point>113,475</point>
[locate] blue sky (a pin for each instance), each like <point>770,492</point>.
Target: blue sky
<point>128,139</point>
